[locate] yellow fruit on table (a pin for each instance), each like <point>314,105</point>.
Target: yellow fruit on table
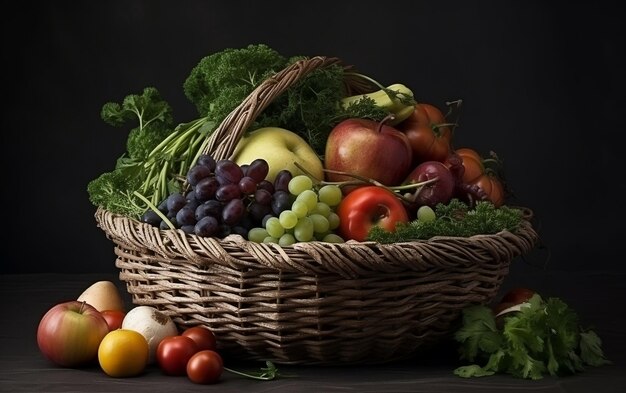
<point>280,148</point>
<point>123,353</point>
<point>103,295</point>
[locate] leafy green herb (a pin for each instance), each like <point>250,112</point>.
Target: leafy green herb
<point>310,108</point>
<point>154,176</point>
<point>153,114</point>
<point>159,154</point>
<point>266,374</point>
<point>222,80</point>
<point>543,337</point>
<point>454,219</point>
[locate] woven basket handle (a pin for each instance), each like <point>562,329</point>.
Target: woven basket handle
<point>224,139</point>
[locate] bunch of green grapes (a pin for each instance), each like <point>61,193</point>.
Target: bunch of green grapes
<point>310,217</point>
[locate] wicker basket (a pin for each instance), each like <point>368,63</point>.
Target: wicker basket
<point>309,303</point>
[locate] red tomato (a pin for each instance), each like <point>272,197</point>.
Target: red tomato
<point>204,338</point>
<point>205,367</point>
<point>114,318</point>
<point>366,207</point>
<point>173,353</point>
<point>428,134</point>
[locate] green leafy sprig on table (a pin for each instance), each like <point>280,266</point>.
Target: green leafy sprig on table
<point>159,155</point>
<point>454,219</point>
<point>544,337</point>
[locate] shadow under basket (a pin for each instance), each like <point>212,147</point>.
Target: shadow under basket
<point>313,303</point>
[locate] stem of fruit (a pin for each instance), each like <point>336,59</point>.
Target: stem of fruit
<point>362,180</point>
<point>454,110</point>
<point>387,118</point>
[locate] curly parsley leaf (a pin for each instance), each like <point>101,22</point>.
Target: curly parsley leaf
<point>454,219</point>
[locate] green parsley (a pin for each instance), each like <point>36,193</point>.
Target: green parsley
<point>454,219</point>
<point>543,337</point>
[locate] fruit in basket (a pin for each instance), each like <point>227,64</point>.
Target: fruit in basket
<point>428,133</point>
<point>152,324</point>
<point>440,191</point>
<point>123,353</point>
<point>281,148</point>
<point>368,149</point>
<point>307,213</point>
<point>103,295</point>
<point>225,198</point>
<point>70,332</point>
<point>369,206</point>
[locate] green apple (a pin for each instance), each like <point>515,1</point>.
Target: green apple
<point>281,148</point>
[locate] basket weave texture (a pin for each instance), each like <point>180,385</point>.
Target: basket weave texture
<point>309,303</point>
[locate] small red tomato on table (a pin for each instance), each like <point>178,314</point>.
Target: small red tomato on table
<point>204,338</point>
<point>205,367</point>
<point>173,353</point>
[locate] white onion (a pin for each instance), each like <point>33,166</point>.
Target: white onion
<point>152,324</point>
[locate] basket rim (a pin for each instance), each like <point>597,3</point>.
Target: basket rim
<point>349,259</point>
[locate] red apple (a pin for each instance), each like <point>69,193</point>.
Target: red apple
<point>440,191</point>
<point>370,149</point>
<point>69,333</point>
<point>114,318</point>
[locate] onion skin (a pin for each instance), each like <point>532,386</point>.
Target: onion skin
<point>153,324</point>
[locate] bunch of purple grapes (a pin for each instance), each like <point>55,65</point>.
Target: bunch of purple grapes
<point>224,198</point>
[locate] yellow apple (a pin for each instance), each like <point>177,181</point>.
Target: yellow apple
<point>281,148</point>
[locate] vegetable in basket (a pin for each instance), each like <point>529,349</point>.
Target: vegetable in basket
<point>153,168</point>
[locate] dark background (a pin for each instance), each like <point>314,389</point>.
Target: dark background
<point>542,86</point>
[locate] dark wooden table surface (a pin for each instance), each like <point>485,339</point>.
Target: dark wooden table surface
<point>596,296</point>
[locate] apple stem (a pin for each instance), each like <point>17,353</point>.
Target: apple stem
<point>387,118</point>
<point>82,307</point>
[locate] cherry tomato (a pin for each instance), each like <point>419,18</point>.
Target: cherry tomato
<point>173,353</point>
<point>205,367</point>
<point>204,338</point>
<point>114,318</point>
<point>428,134</point>
<point>366,207</point>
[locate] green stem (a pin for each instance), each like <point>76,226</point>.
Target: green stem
<point>362,180</point>
<point>258,377</point>
<point>155,209</point>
